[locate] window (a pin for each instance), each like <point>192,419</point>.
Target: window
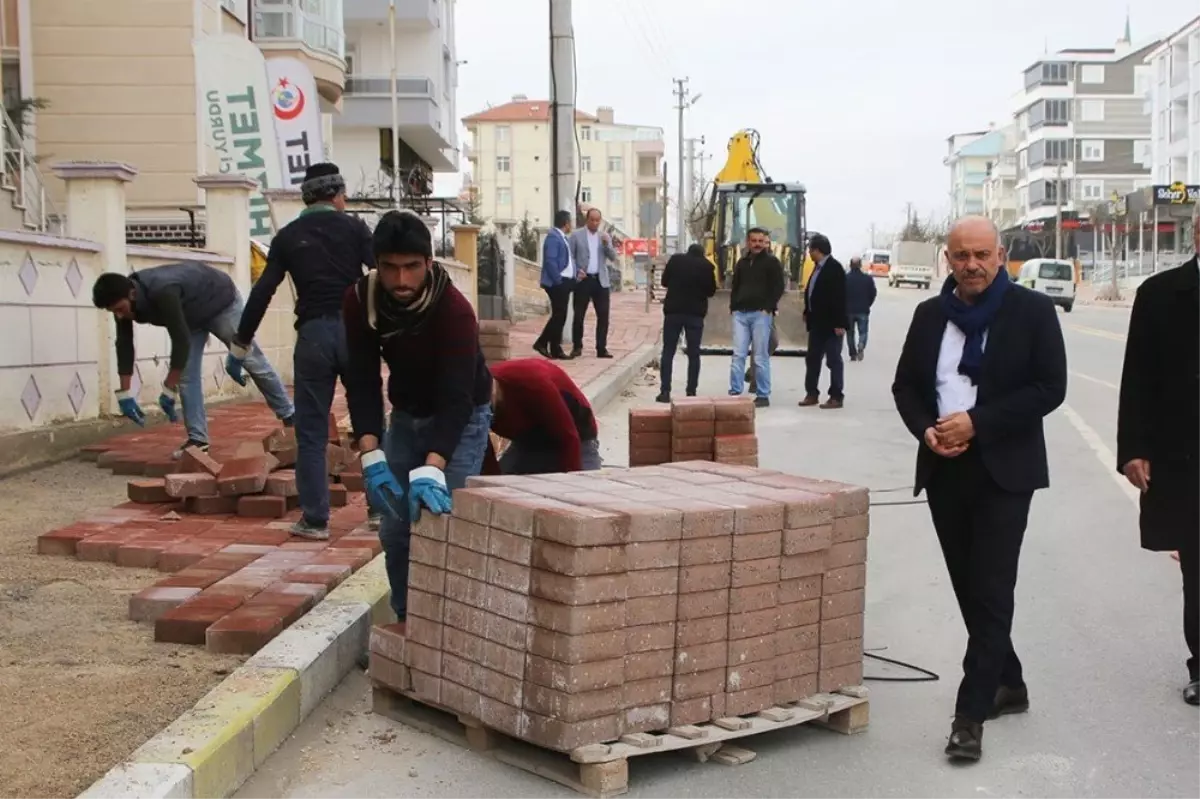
<point>503,196</point>
<point>585,132</point>
<point>1053,74</point>
<point>1050,112</point>
<point>1091,73</point>
<point>503,163</point>
<point>502,132</point>
<point>1091,189</point>
<point>614,163</point>
<point>616,198</point>
<point>585,194</point>
<point>1050,151</point>
<point>1143,80</point>
<point>585,164</point>
<point>1091,111</point>
<point>1143,153</point>
<point>1091,150</point>
<point>1055,270</point>
<point>617,222</point>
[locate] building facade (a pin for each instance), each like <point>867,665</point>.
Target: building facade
<point>970,157</point>
<point>1083,133</point>
<point>1172,101</point>
<point>620,166</point>
<point>1000,185</point>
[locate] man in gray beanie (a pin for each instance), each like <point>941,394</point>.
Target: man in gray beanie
<point>325,251</point>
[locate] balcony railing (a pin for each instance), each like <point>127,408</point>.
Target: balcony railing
<point>381,86</point>
<point>316,23</point>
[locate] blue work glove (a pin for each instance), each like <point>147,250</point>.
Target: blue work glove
<point>167,400</point>
<point>130,408</point>
<point>383,489</point>
<point>427,488</point>
<point>234,360</point>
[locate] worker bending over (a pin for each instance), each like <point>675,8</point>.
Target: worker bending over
<point>545,417</point>
<point>192,301</point>
<point>408,315</point>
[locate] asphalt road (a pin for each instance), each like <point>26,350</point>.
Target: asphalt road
<point>1098,626</point>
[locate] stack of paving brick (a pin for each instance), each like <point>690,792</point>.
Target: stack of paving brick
<point>493,340</point>
<point>572,609</point>
<point>649,436</point>
<point>692,429</point>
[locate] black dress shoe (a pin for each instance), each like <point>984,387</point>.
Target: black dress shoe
<point>561,356</point>
<point>966,739</point>
<point>1009,700</point>
<point>1191,694</point>
<point>603,354</point>
<point>663,396</point>
<point>542,349</point>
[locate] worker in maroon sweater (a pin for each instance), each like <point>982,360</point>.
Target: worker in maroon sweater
<point>545,417</point>
<point>408,315</point>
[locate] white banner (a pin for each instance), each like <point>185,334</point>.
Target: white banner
<point>297,108</point>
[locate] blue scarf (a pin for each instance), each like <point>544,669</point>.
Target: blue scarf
<point>974,320</point>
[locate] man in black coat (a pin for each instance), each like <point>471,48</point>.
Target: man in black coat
<point>690,282</point>
<point>860,296</point>
<point>1158,432</point>
<point>825,316</point>
<point>981,366</point>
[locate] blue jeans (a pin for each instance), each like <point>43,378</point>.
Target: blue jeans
<point>751,329</point>
<point>406,446</point>
<point>223,327</point>
<point>318,361</point>
<point>860,323</point>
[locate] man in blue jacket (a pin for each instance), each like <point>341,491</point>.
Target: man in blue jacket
<point>860,296</point>
<point>558,280</point>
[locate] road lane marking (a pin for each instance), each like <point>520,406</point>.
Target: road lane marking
<point>1103,454</point>
<point>1095,380</point>
<point>1097,332</point>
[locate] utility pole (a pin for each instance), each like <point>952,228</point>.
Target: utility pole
<point>665,195</point>
<point>691,183</point>
<point>1058,211</point>
<point>562,108</point>
<point>395,107</point>
<point>685,101</point>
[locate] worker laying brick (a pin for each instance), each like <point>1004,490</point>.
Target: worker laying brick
<point>545,417</point>
<point>407,314</point>
<point>324,250</point>
<point>192,301</point>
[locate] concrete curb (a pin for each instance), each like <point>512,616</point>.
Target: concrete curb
<point>213,748</point>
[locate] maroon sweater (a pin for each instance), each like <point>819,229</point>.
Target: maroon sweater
<point>437,373</point>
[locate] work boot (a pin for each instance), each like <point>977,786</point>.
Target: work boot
<point>1009,700</point>
<point>809,401</point>
<point>966,739</point>
<point>1191,694</point>
<point>663,396</point>
<point>189,444</point>
<point>762,402</point>
<point>313,532</point>
<point>831,404</point>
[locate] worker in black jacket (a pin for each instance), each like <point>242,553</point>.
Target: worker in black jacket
<point>756,289</point>
<point>690,282</point>
<point>324,250</point>
<point>825,316</point>
<point>860,296</point>
<point>193,301</point>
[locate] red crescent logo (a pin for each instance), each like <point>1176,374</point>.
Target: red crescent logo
<point>288,114</point>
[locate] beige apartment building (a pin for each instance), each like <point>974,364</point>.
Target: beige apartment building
<point>620,165</point>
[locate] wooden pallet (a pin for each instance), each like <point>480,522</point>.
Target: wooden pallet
<point>602,770</point>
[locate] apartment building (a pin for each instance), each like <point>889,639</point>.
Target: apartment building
<point>427,78</point>
<point>1000,185</point>
<point>1082,125</point>
<point>970,157</point>
<point>1172,101</point>
<point>620,165</point>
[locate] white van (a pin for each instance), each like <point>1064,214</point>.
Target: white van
<point>1055,279</point>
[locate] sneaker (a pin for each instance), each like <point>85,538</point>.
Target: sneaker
<point>189,444</point>
<point>374,520</point>
<point>313,532</point>
<point>762,402</point>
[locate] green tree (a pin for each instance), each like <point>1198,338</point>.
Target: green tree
<point>526,241</point>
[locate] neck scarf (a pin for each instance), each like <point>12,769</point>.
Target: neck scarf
<point>974,319</point>
<point>399,318</point>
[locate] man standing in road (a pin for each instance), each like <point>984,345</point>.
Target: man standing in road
<point>591,250</point>
<point>558,281</point>
<point>825,317</point>
<point>755,291</point>
<point>324,250</point>
<point>860,296</point>
<point>408,315</point>
<point>690,282</point>
<point>1157,429</point>
<point>192,301</point>
<point>982,365</point>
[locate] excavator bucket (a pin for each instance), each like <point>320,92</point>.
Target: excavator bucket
<point>789,336</point>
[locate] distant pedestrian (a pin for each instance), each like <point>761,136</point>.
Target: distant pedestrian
<point>982,365</point>
<point>755,291</point>
<point>592,249</point>
<point>558,281</point>
<point>1158,433</point>
<point>690,281</point>
<point>825,316</point>
<point>860,296</point>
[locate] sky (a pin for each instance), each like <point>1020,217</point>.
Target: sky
<point>853,98</point>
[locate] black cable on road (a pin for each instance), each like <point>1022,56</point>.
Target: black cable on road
<point>926,674</point>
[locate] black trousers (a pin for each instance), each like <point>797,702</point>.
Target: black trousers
<point>588,291</point>
<point>980,527</point>
<point>692,328</point>
<point>552,332</point>
<point>1189,564</point>
<point>824,345</point>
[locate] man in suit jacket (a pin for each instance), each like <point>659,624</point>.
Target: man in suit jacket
<point>592,249</point>
<point>1158,435</point>
<point>825,316</point>
<point>558,281</point>
<point>981,366</point>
